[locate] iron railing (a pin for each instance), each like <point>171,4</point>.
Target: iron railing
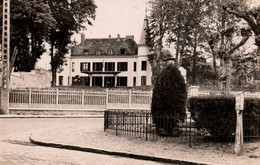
<point>140,124</point>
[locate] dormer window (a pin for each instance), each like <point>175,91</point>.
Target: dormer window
<point>122,51</point>
<point>98,52</point>
<point>85,52</point>
<point>109,52</point>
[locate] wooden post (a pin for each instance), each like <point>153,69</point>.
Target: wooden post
<point>239,139</point>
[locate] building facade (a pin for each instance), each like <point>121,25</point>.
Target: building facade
<point>108,62</point>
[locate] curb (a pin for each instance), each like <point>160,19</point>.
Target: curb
<point>120,154</point>
<point>47,116</point>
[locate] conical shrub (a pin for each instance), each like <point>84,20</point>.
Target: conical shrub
<point>169,100</point>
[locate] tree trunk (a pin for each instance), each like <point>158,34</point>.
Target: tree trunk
<point>177,51</point>
<point>227,67</point>
<point>181,55</point>
<point>54,71</point>
<point>194,59</point>
<point>222,61</point>
<point>53,68</point>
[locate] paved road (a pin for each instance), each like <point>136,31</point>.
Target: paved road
<point>16,149</point>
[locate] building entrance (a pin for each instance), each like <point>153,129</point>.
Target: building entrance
<point>97,81</point>
<point>109,82</point>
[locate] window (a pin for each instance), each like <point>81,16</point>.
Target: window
<point>109,52</point>
<point>85,81</point>
<point>85,52</point>
<point>122,51</point>
<point>144,65</point>
<point>97,81</point>
<point>122,66</point>
<point>73,67</point>
<point>134,66</point>
<point>84,66</point>
<point>60,80</point>
<point>109,66</point>
<point>97,66</point>
<point>98,52</point>
<point>143,80</point>
<point>134,81</point>
<point>121,81</point>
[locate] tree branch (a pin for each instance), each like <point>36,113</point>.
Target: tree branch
<point>244,15</point>
<point>242,42</point>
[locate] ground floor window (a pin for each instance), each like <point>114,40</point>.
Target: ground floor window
<point>121,81</point>
<point>143,80</point>
<point>109,82</point>
<point>60,80</point>
<point>85,81</point>
<point>134,81</point>
<point>97,81</point>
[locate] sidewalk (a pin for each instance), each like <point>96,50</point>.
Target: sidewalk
<point>51,116</point>
<point>97,141</point>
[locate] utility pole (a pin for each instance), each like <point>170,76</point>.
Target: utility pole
<point>5,58</point>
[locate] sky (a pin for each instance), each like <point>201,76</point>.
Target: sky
<point>113,17</point>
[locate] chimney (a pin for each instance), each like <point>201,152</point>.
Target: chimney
<point>82,38</point>
<point>130,37</point>
<point>109,36</point>
<point>118,37</point>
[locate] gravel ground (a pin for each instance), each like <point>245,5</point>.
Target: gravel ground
<point>95,137</point>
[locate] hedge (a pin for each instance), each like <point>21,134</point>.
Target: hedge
<point>216,115</point>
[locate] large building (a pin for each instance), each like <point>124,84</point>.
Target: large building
<point>108,62</point>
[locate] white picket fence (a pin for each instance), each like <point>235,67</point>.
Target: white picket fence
<point>68,99</point>
<point>78,99</point>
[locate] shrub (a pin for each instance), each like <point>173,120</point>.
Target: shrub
<point>216,115</point>
<point>169,99</point>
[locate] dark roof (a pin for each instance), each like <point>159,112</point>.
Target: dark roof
<point>103,46</point>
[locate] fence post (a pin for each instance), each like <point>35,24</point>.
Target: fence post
<point>106,98</point>
<point>190,133</point>
<point>30,97</point>
<point>116,123</point>
<point>129,99</point>
<point>105,120</point>
<point>146,129</point>
<point>239,141</point>
<point>57,98</point>
<point>82,101</point>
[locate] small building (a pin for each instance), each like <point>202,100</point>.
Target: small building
<point>108,62</point>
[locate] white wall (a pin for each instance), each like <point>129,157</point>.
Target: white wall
<point>78,59</point>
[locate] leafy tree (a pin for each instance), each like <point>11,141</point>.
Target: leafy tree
<point>251,16</point>
<point>204,72</point>
<point>169,99</point>
<point>70,16</point>
<point>30,22</point>
<point>157,29</point>
<point>225,37</point>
